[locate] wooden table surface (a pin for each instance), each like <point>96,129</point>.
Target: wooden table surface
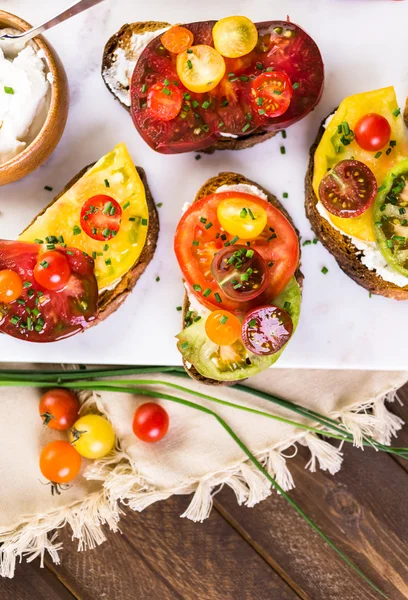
<point>262,553</point>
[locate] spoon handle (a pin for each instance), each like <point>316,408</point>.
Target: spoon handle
<point>73,10</point>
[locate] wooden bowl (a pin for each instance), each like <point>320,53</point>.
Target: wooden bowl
<point>47,139</point>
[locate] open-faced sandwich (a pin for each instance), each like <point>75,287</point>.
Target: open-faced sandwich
<point>79,259</point>
<point>357,191</point>
<point>239,255</point>
<point>225,84</point>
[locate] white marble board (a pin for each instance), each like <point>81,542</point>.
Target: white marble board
<point>364,46</point>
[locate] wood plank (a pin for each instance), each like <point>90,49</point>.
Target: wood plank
<point>402,411</point>
<point>362,508</point>
<point>162,557</point>
<point>33,583</point>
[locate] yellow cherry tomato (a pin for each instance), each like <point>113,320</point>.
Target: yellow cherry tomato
<point>223,328</point>
<point>200,68</point>
<point>235,36</point>
<point>11,286</point>
<point>242,218</point>
<point>92,436</point>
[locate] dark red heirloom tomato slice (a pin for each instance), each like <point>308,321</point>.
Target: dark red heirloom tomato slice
<point>271,93</point>
<point>230,108</point>
<point>241,272</point>
<point>52,270</point>
<point>40,314</point>
<point>348,189</point>
<point>266,330</point>
<point>199,236</point>
<point>372,132</point>
<point>100,217</point>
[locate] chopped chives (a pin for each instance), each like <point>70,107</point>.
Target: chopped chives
<point>203,220</point>
<point>8,90</point>
<point>108,261</point>
<point>243,213</point>
<point>252,323</point>
<point>377,154</point>
<point>38,241</point>
<point>196,287</point>
<point>144,222</point>
<point>295,85</point>
<point>208,226</point>
<point>287,305</point>
<point>76,230</point>
<point>27,284</point>
<point>189,64</point>
<point>144,88</point>
<point>285,195</point>
<point>396,112</point>
<point>157,279</point>
<point>179,308</point>
<point>207,292</point>
<point>234,239</point>
<point>217,297</point>
<point>325,270</point>
<point>195,242</point>
<point>223,319</point>
<point>49,188</point>
<point>107,184</point>
<point>246,127</point>
<point>282,150</point>
<point>126,205</point>
<point>283,134</point>
<point>45,264</point>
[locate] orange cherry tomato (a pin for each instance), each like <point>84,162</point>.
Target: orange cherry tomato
<point>223,328</point>
<point>11,286</point>
<point>60,462</point>
<point>59,409</point>
<point>177,39</point>
<point>52,270</point>
<point>164,101</point>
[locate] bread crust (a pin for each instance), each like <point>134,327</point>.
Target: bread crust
<point>210,187</point>
<point>110,300</point>
<point>122,38</point>
<point>340,246</point>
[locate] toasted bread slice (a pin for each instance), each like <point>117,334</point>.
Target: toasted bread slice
<point>340,246</point>
<point>111,299</point>
<point>123,40</point>
<point>210,187</point>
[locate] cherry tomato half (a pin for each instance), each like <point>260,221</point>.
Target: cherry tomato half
<point>100,217</point>
<point>164,101</point>
<point>92,436</point>
<point>11,286</point>
<point>52,270</point>
<point>348,189</point>
<point>60,462</point>
<point>235,36</point>
<point>266,330</point>
<point>177,39</point>
<point>271,93</point>
<point>241,273</point>
<point>372,132</point>
<point>223,328</point>
<point>151,422</point>
<point>243,218</point>
<point>59,409</point>
<point>200,68</point>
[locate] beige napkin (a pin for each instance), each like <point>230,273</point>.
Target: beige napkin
<point>196,456</point>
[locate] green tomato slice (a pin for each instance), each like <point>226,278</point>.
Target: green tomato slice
<point>391,218</point>
<point>231,363</point>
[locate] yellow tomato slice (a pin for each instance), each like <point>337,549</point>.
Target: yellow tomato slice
<point>382,102</point>
<point>235,36</point>
<point>242,218</point>
<point>200,68</point>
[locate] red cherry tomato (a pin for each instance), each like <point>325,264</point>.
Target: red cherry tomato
<point>271,93</point>
<point>60,462</point>
<point>151,422</point>
<point>241,272</point>
<point>177,39</point>
<point>100,217</point>
<point>164,101</point>
<point>266,330</point>
<point>349,189</point>
<point>59,409</point>
<point>372,132</point>
<point>52,270</point>
<point>11,286</point>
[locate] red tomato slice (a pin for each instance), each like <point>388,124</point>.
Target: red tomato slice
<point>271,93</point>
<point>199,235</point>
<point>100,217</point>
<point>164,101</point>
<point>348,189</point>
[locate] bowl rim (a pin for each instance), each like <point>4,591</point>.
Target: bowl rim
<point>54,66</point>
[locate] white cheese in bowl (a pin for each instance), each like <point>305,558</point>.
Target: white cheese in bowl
<point>24,101</point>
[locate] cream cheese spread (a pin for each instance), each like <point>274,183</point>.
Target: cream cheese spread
<point>119,75</point>
<point>24,91</point>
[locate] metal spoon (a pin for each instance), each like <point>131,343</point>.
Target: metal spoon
<point>11,44</point>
